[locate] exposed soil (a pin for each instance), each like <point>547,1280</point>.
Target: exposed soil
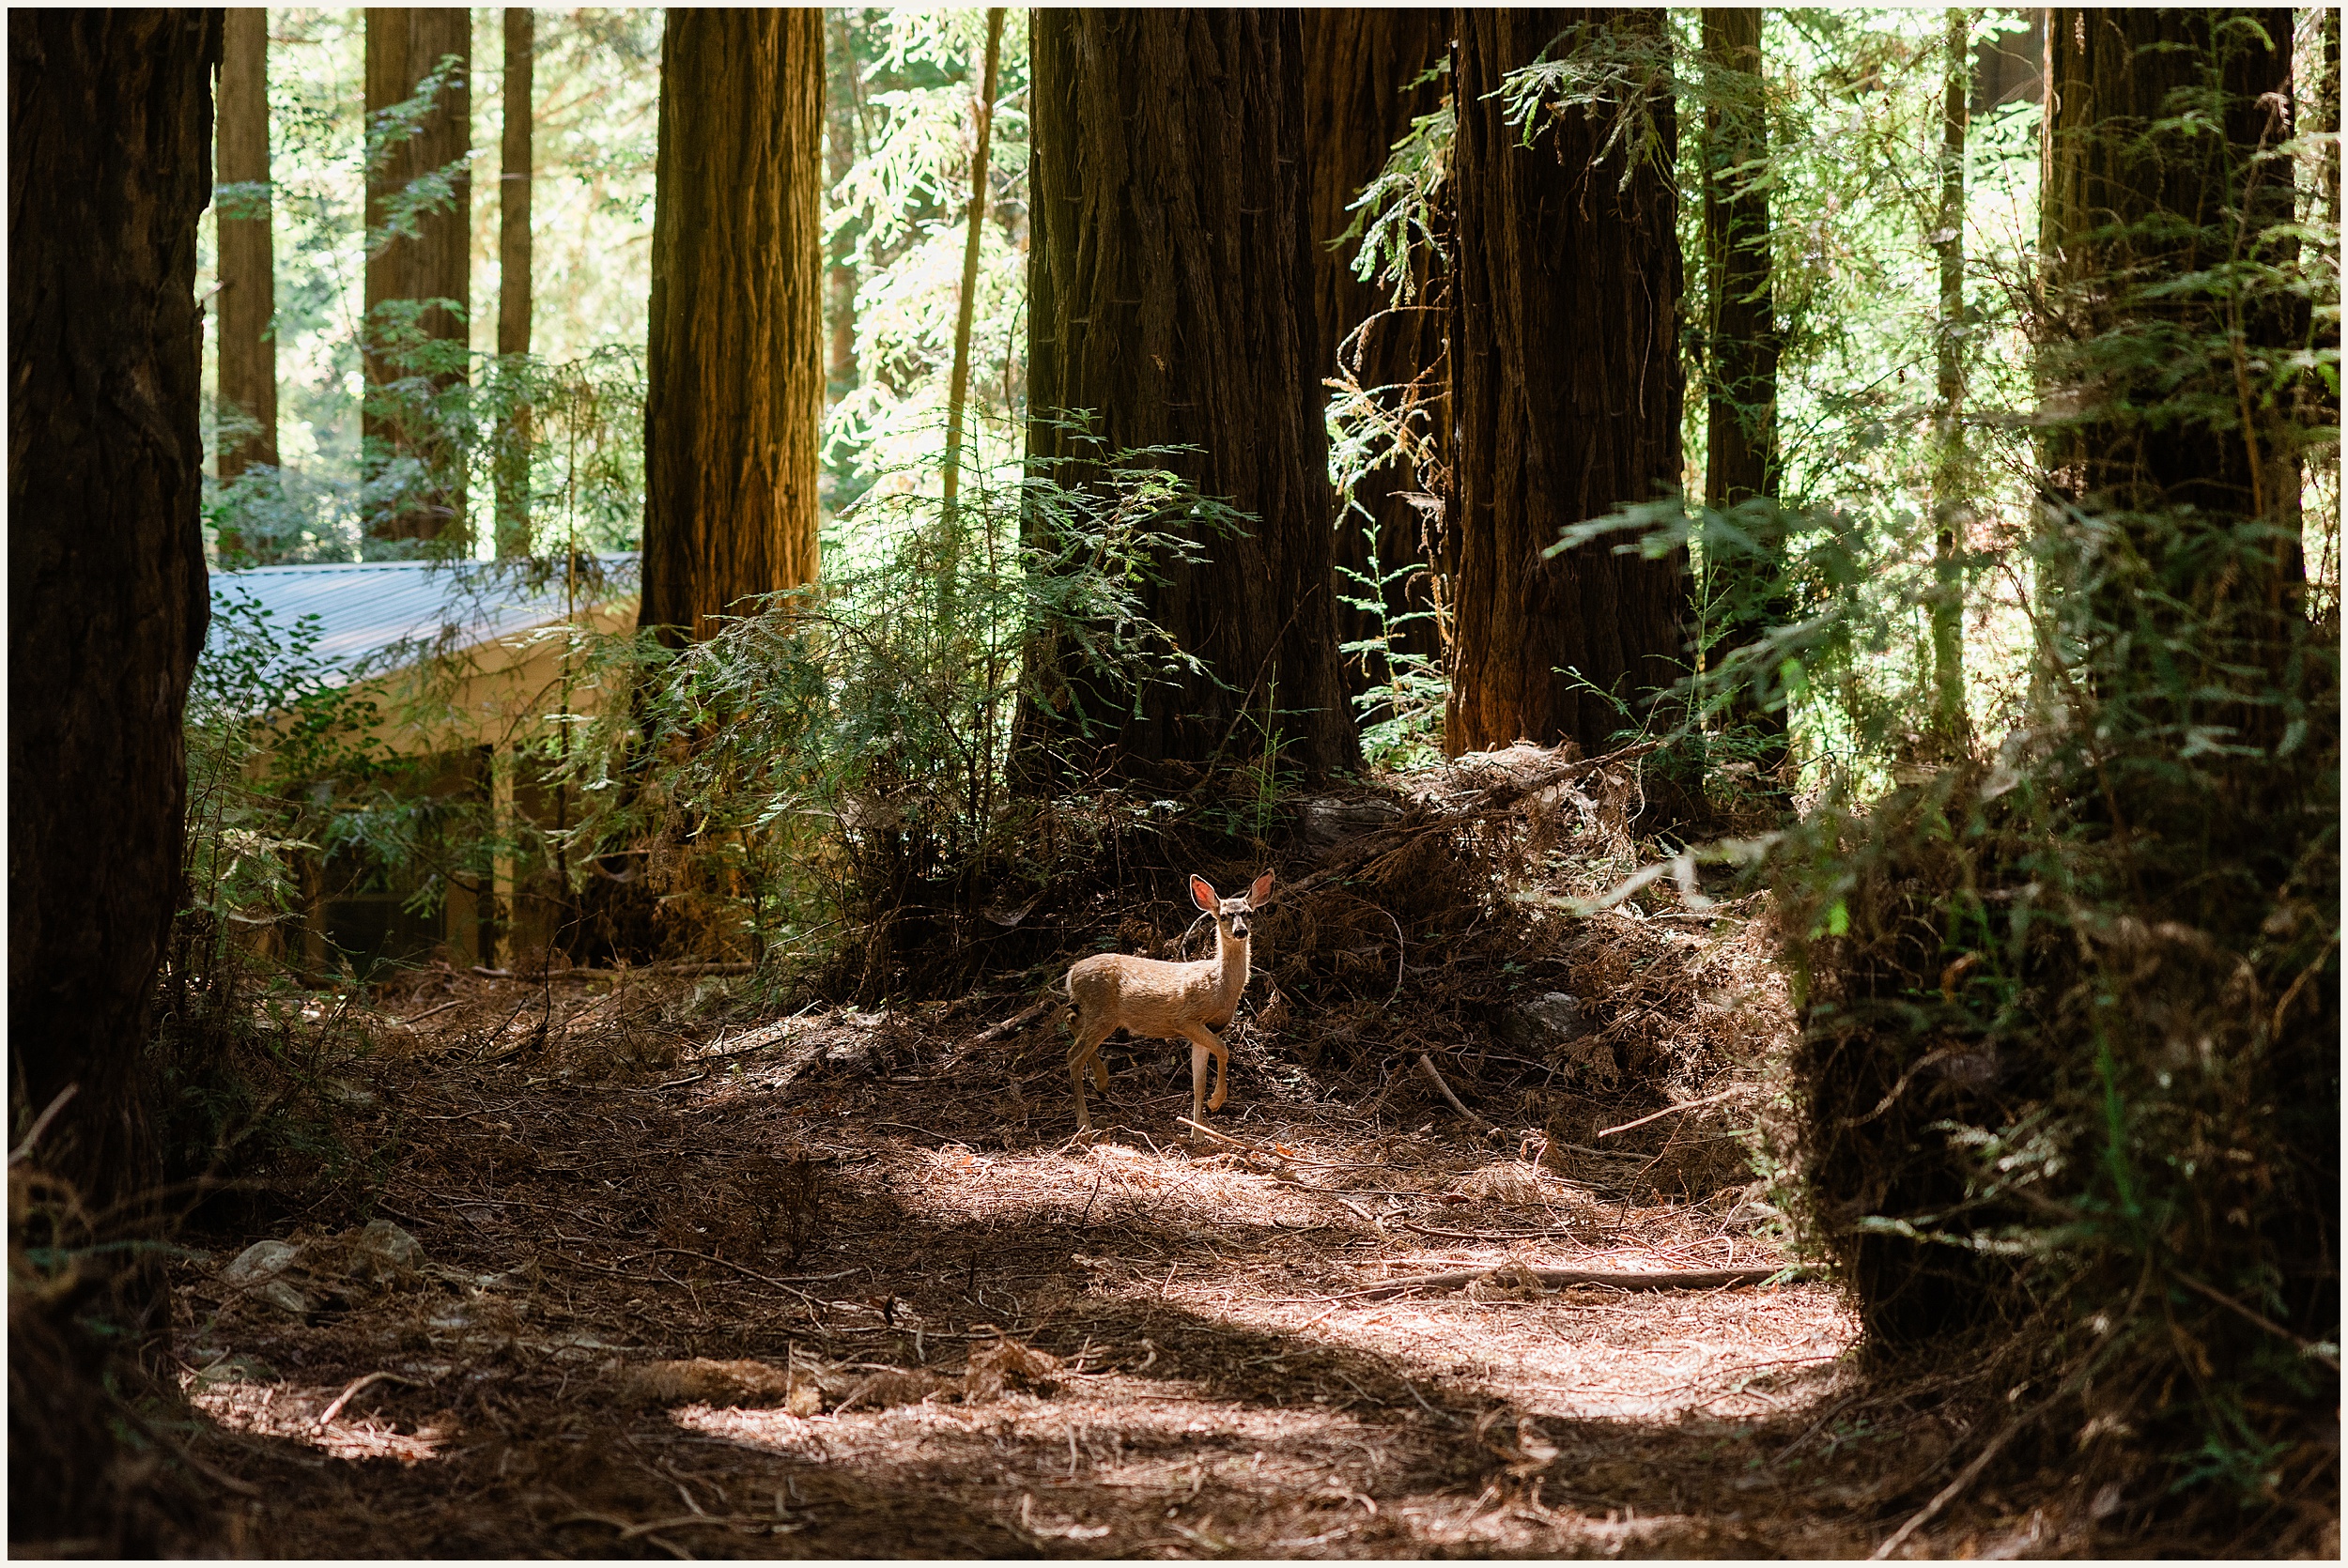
<point>838,1288</point>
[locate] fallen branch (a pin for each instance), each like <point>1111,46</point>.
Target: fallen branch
<point>1496,797</point>
<point>1011,1025</point>
<point>1675,1110</point>
<point>357,1384</point>
<point>428,1012</point>
<point>1948,1494</point>
<point>2307,1347</point>
<point>1426,1070</point>
<point>1689,1279</point>
<point>1490,1235</point>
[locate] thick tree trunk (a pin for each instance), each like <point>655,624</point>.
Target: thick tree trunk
<point>1740,394</point>
<point>248,278</point>
<point>1740,399</point>
<point>2130,196</point>
<point>110,146</point>
<point>1170,295</point>
<point>405,45</point>
<point>1566,379</point>
<point>735,366</point>
<point>512,477</point>
<point>1362,91</point>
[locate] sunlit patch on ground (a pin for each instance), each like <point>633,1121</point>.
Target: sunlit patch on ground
<point>292,1411</point>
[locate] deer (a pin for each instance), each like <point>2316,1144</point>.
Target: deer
<point>1151,999</point>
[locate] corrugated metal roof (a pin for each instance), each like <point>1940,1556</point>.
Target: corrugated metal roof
<point>370,614</point>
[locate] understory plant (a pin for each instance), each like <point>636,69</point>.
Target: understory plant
<point>829,785</point>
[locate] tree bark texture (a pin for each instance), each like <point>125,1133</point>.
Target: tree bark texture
<point>110,148</point>
<point>404,45</point>
<point>513,183</point>
<point>248,277</point>
<point>842,144</point>
<point>734,367</point>
<point>1566,384</point>
<point>1742,350</point>
<point>513,470</point>
<point>1171,278</point>
<point>1741,402</point>
<point>1360,67</point>
<point>2131,195</point>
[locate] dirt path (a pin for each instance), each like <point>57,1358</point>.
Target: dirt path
<point>997,1344</point>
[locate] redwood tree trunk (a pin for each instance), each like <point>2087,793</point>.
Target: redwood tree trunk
<point>735,360</point>
<point>1170,294</point>
<point>842,145</point>
<point>512,478</point>
<point>1566,383</point>
<point>248,286</point>
<point>1740,391</point>
<point>110,144</point>
<point>2130,193</point>
<point>406,44</point>
<point>1360,97</point>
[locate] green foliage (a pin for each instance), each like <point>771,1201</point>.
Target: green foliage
<point>899,219</point>
<point>2072,1017</point>
<point>825,786</point>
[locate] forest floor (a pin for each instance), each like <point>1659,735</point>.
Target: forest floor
<point>619,1262</point>
<point>842,1287</point>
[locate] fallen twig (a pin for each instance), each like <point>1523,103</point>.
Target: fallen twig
<point>1690,1279</point>
<point>1675,1110</point>
<point>2307,1347</point>
<point>1490,1235</point>
<point>1426,1070</point>
<point>42,1124</point>
<point>1008,1026</point>
<point>326,1417</point>
<point>429,1012</point>
<point>1948,1494</point>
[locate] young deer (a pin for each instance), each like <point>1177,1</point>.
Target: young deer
<point>1151,999</point>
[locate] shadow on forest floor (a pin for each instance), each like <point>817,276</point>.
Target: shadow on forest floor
<point>1195,1383</point>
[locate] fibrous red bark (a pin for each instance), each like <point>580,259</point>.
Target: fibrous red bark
<point>1567,385</point>
<point>1170,295</point>
<point>735,366</point>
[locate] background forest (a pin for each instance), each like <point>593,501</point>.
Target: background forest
<point>977,454</point>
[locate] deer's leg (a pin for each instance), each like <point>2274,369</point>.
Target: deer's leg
<point>1222,1069</point>
<point>1086,1047</point>
<point>1199,1059</point>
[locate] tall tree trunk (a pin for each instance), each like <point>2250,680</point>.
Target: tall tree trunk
<point>735,366</point>
<point>110,148</point>
<point>513,476</point>
<point>1362,91</point>
<point>248,277</point>
<point>405,45</point>
<point>1566,379</point>
<point>1741,393</point>
<point>1951,728</point>
<point>844,144</point>
<point>1170,275</point>
<point>958,385</point>
<point>2130,196</point>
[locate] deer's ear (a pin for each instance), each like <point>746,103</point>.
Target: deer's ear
<point>1260,891</point>
<point>1202,893</point>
